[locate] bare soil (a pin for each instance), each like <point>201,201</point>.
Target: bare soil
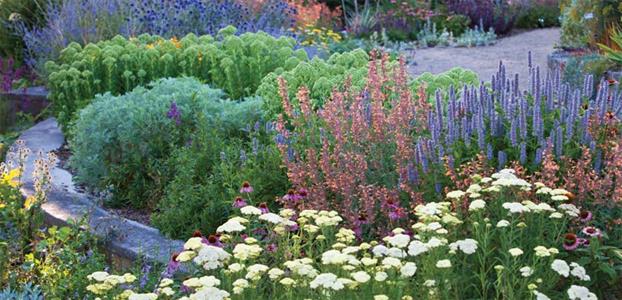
<point>512,50</point>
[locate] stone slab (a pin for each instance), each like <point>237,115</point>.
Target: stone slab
<point>124,239</point>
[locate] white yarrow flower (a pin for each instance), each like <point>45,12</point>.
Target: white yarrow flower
<point>443,264</point>
<point>408,269</point>
<point>526,271</point>
<point>561,267</point>
<point>230,226</point>
<point>577,292</point>
<point>250,210</point>
<point>399,240</point>
<point>516,252</point>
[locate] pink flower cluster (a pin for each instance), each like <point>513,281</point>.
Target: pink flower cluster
<point>357,155</point>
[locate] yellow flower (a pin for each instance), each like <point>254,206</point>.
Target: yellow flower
<point>193,243</point>
<point>185,256</point>
<point>176,42</point>
<point>129,278</point>
<point>30,201</point>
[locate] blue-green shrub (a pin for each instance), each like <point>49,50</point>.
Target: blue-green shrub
<point>124,142</point>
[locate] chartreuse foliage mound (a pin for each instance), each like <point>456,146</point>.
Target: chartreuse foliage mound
<point>234,63</point>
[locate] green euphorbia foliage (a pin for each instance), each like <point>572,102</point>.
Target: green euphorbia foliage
<point>234,63</point>
<point>456,77</point>
<point>318,75</point>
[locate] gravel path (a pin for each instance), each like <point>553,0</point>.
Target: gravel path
<point>485,60</point>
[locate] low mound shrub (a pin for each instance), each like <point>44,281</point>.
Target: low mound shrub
<point>456,77</point>
<point>210,174</point>
<point>124,142</point>
<point>503,237</point>
<point>319,76</point>
<point>236,64</point>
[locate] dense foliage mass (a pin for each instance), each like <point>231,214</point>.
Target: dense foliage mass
<point>292,133</point>
<point>125,141</point>
<point>319,76</point>
<point>233,63</point>
<point>91,21</point>
<point>207,178</point>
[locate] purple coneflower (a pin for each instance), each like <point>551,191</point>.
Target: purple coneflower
<point>584,242</point>
<point>585,216</point>
<point>591,231</point>
<point>292,196</point>
<point>239,202</point>
<point>570,241</point>
<point>214,240</point>
<point>172,266</point>
<point>271,248</point>
<point>246,188</point>
<point>264,208</point>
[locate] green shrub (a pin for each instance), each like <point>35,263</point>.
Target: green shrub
<point>319,76</point>
<point>456,77</point>
<point>456,24</point>
<point>615,55</point>
<point>125,141</point>
<point>539,16</point>
<point>233,63</point>
<point>578,66</point>
<point>207,177</point>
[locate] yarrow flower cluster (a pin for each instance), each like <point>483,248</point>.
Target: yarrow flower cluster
<point>307,252</point>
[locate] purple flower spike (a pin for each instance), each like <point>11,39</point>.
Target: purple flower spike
<point>174,113</point>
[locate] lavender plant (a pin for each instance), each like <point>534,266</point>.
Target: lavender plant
<point>508,124</point>
<point>69,21</point>
<point>178,18</point>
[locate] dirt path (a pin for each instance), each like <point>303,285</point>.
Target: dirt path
<point>512,51</point>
